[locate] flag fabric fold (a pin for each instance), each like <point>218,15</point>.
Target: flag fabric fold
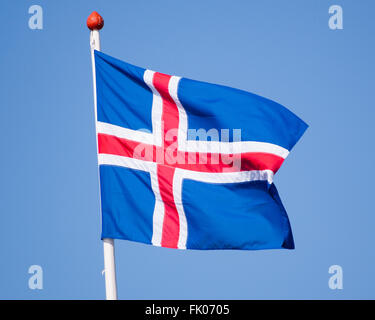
<point>187,164</point>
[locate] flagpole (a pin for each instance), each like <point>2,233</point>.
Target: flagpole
<point>95,22</point>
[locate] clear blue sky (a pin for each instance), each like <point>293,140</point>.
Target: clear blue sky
<point>282,50</point>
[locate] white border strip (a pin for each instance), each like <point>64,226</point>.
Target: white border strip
<point>177,195</point>
<point>228,177</point>
<point>233,147</point>
<point>114,160</point>
<point>120,132</point>
<point>157,107</point>
<point>159,210</point>
<point>183,123</point>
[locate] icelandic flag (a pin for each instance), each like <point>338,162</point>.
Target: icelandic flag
<point>187,164</point>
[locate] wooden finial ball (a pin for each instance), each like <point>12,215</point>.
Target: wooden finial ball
<point>95,21</point>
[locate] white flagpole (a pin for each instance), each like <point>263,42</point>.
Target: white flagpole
<point>95,22</point>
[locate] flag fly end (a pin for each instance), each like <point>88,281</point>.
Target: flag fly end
<point>95,21</point>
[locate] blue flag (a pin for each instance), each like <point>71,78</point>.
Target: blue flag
<point>187,164</point>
